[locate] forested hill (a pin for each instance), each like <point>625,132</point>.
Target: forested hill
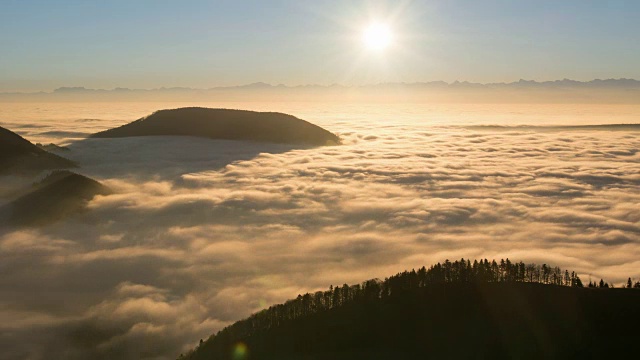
<point>455,310</point>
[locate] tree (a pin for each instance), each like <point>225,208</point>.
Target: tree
<point>408,283</point>
<point>575,280</point>
<point>337,297</point>
<point>545,273</point>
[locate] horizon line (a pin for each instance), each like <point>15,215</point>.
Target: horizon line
<point>265,85</point>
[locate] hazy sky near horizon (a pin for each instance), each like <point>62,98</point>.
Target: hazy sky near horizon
<point>207,43</point>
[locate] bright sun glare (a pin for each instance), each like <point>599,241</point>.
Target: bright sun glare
<point>377,36</point>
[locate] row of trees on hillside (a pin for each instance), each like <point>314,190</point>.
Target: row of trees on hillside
<point>603,284</point>
<point>460,271</point>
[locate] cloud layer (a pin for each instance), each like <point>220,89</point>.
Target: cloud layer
<point>201,233</point>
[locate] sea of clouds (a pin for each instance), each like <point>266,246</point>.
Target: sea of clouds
<point>200,233</point>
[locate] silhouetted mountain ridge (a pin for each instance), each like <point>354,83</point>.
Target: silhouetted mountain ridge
<point>226,124</point>
<point>19,156</point>
<point>621,83</point>
<point>451,310</point>
<point>60,194</point>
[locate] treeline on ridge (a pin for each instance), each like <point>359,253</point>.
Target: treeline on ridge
<point>371,291</point>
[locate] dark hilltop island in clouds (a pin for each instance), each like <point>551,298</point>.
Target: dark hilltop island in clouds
<point>60,194</point>
<point>63,193</point>
<point>226,124</point>
<point>454,310</point>
<point>18,156</point>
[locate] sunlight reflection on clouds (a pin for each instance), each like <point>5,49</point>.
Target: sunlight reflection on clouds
<point>187,246</point>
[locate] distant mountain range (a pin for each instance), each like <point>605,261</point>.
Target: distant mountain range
<point>557,84</point>
<point>609,91</point>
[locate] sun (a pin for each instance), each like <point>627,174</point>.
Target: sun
<point>377,36</point>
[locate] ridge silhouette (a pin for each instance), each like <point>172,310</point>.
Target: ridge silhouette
<point>19,156</point>
<point>453,310</point>
<point>59,195</point>
<point>226,124</point>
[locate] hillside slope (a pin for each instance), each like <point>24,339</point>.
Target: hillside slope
<point>19,156</point>
<point>60,194</point>
<point>226,124</point>
<point>457,318</point>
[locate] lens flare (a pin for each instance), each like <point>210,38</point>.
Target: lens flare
<point>240,351</point>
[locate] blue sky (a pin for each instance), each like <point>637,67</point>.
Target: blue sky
<point>148,44</point>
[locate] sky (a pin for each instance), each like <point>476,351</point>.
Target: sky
<point>206,43</point>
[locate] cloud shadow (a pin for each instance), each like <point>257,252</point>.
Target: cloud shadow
<point>162,158</point>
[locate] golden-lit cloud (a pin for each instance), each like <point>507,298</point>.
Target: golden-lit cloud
<point>207,233</point>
